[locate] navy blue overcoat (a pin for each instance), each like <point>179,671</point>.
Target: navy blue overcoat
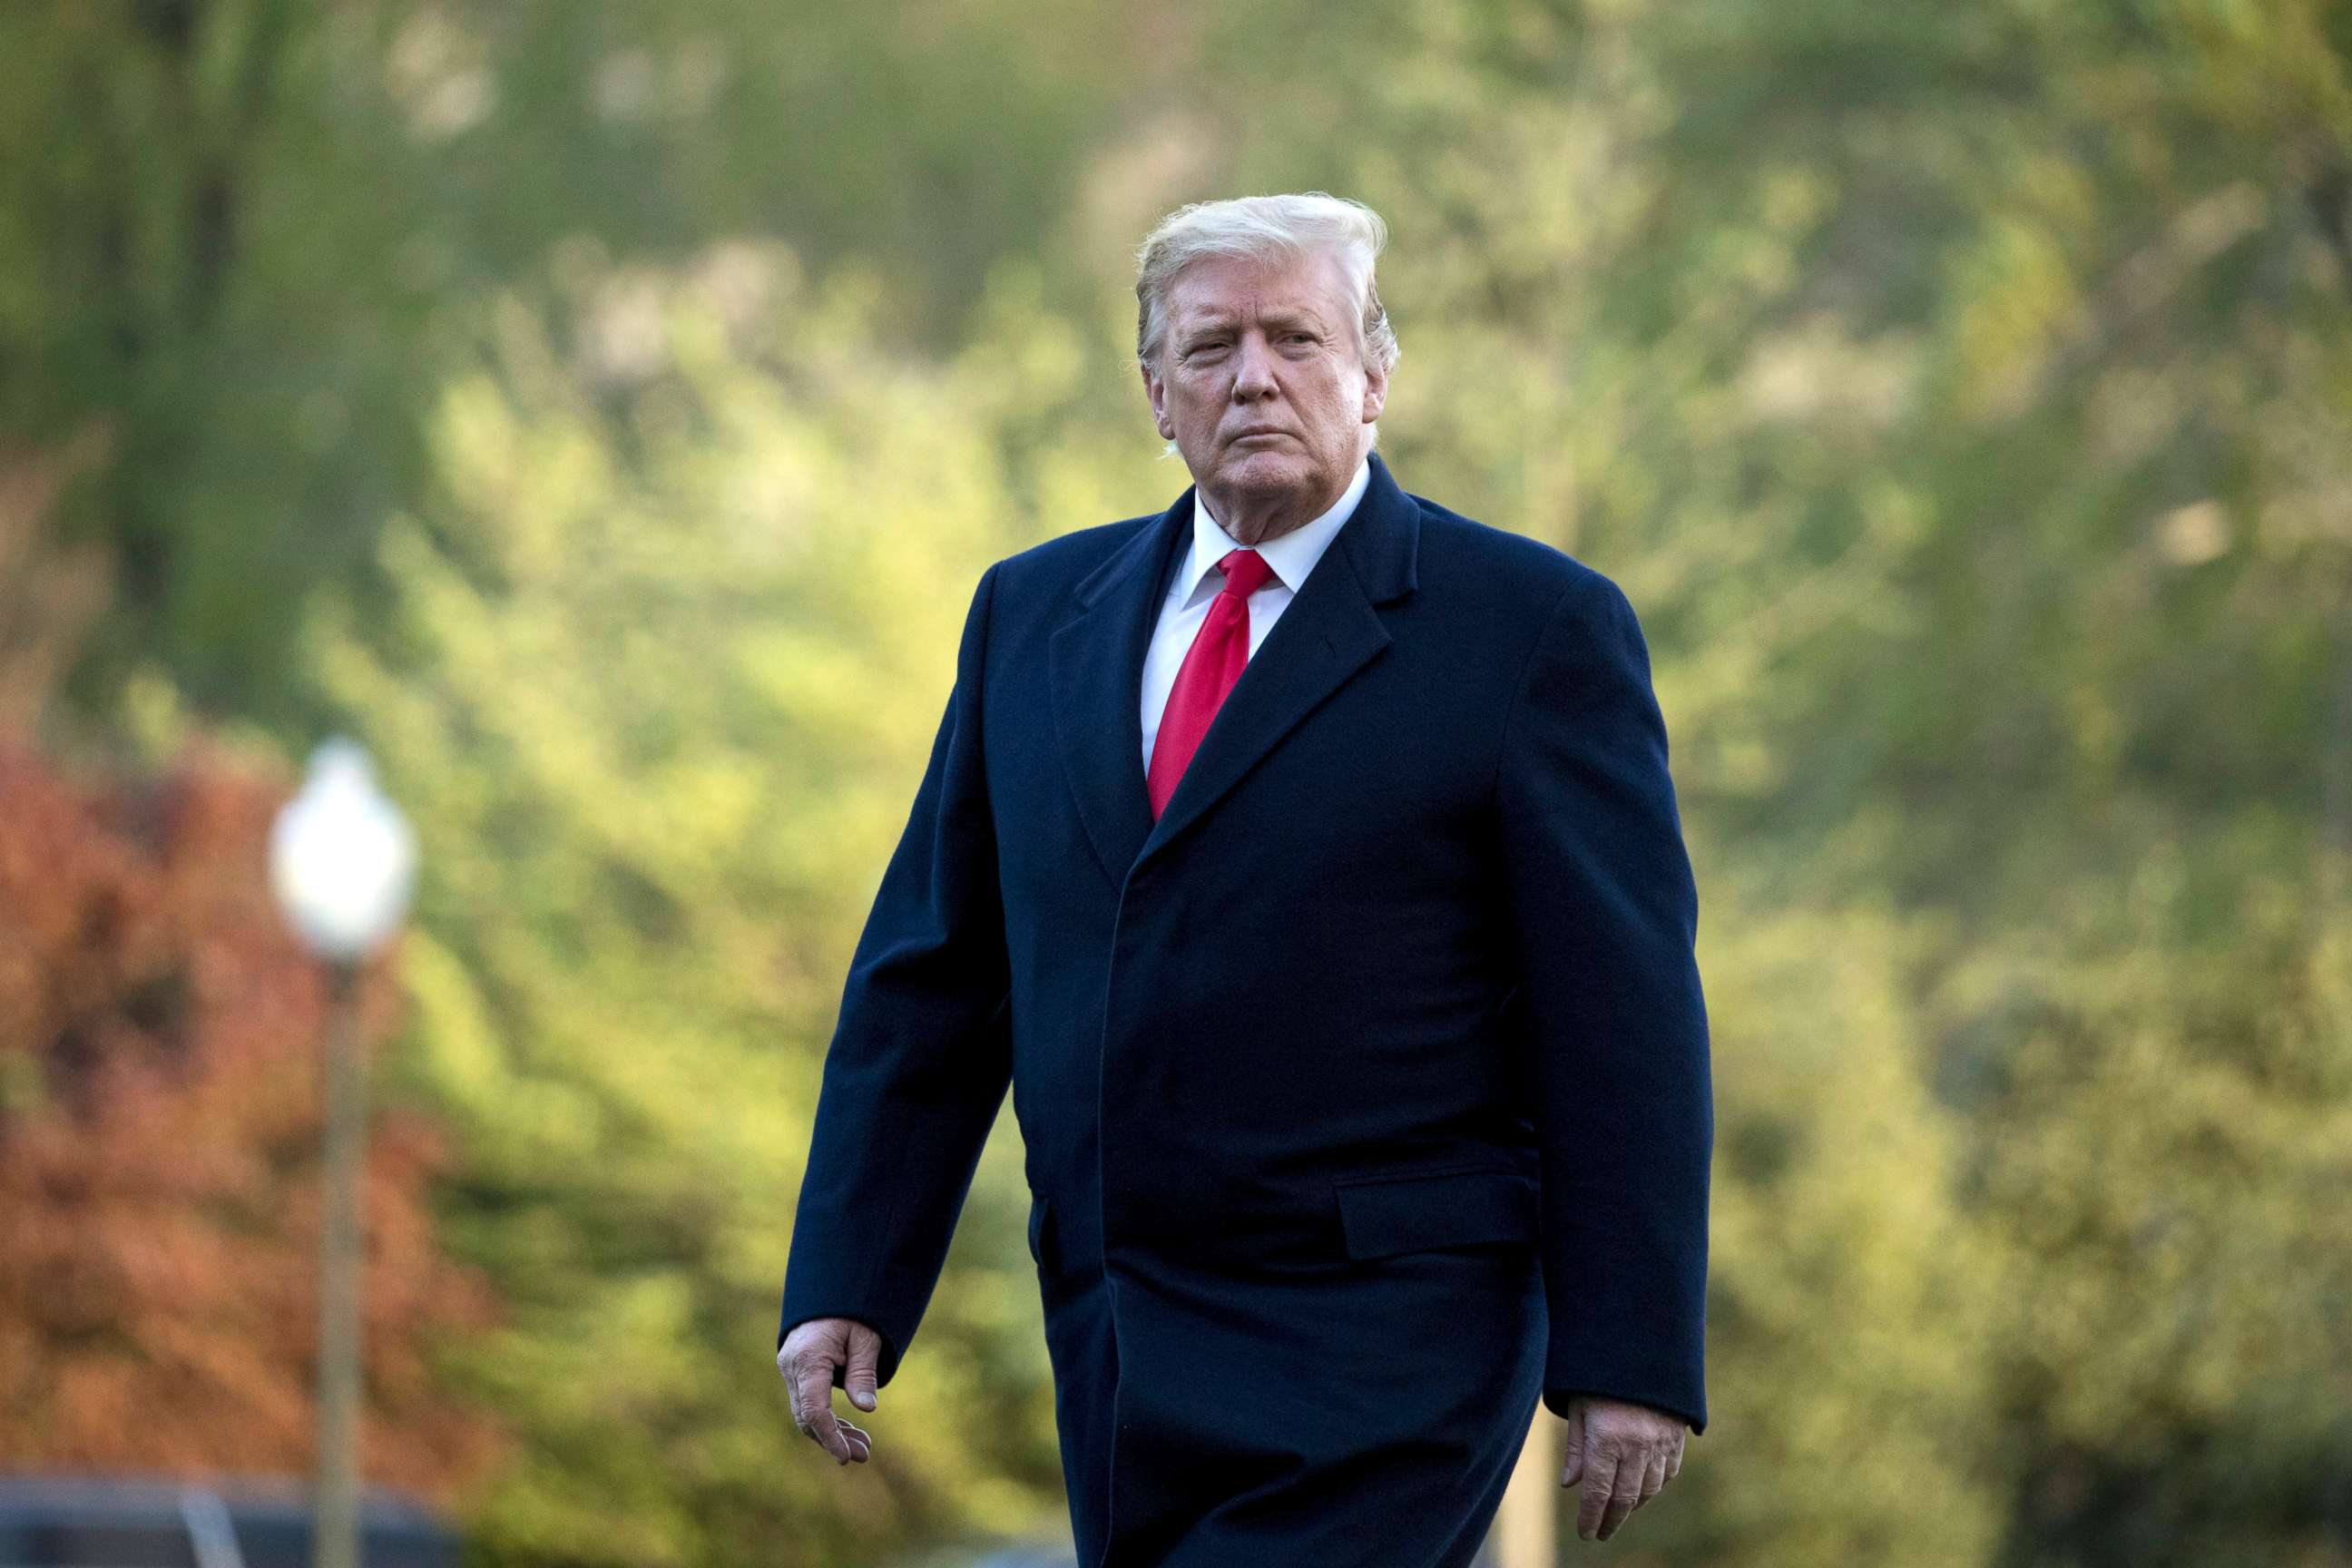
<point>1365,1094</point>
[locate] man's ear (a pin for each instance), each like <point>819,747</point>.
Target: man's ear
<point>1376,392</point>
<point>1156,391</point>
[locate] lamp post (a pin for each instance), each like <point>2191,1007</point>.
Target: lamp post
<point>342,861</point>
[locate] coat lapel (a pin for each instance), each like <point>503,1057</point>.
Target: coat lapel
<point>1097,683</point>
<point>1330,629</point>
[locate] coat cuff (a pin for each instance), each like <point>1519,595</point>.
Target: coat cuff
<point>1693,1416</point>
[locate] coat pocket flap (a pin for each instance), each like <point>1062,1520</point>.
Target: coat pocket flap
<point>1381,1216</point>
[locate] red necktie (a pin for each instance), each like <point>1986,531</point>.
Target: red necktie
<point>1220,648</point>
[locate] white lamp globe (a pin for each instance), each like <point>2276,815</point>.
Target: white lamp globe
<point>343,860</point>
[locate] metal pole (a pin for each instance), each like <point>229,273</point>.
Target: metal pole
<point>1527,1530</point>
<point>335,1542</point>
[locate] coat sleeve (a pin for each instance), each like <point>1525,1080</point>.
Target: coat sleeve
<point>1604,914</point>
<point>921,1053</point>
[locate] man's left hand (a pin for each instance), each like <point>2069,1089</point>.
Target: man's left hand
<point>1623,1453</point>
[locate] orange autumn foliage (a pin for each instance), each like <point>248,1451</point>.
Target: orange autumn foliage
<point>160,1037</point>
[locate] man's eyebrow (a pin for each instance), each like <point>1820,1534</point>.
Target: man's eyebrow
<point>1291,318</point>
<point>1276,320</point>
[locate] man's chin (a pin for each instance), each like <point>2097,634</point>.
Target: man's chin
<point>1265,473</point>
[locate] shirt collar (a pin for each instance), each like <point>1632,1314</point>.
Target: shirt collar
<point>1292,556</point>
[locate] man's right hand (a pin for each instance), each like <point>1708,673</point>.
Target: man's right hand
<point>807,1359</point>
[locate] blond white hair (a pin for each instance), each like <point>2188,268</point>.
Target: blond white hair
<point>1266,229</point>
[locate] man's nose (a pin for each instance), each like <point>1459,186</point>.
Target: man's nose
<point>1253,370</point>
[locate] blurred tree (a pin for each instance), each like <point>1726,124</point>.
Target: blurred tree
<point>50,595</point>
<point>158,1133</point>
<point>255,238</point>
<point>1849,1313</point>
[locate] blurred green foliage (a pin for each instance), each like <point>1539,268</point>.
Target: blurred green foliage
<point>607,412</point>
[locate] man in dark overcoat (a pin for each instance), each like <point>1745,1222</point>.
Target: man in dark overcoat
<point>1305,859</point>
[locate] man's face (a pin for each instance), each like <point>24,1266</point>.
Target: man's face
<point>1260,384</point>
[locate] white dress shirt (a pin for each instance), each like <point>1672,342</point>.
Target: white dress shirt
<point>1198,582</point>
